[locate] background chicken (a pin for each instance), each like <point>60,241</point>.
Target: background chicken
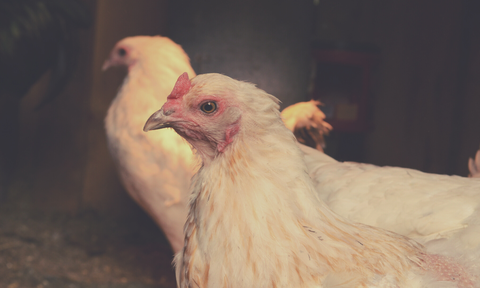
<point>474,166</point>
<point>305,120</point>
<point>155,168</point>
<point>255,218</point>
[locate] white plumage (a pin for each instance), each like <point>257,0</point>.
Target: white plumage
<point>155,168</point>
<point>420,205</point>
<point>255,217</point>
<point>409,202</point>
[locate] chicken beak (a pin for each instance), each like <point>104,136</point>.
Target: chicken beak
<point>158,120</point>
<point>106,65</point>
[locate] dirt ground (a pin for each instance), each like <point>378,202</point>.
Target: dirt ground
<point>61,251</point>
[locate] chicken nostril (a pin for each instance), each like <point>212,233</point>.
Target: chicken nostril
<point>168,112</point>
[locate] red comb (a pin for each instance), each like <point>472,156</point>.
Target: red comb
<point>181,87</point>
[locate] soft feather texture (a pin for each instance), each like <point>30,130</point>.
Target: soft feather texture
<point>255,218</point>
<point>155,168</point>
<point>420,205</point>
<point>306,121</point>
<point>474,166</point>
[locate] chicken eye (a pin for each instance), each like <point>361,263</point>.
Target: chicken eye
<point>122,52</point>
<point>209,107</point>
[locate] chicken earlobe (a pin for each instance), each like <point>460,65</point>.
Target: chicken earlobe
<point>229,133</point>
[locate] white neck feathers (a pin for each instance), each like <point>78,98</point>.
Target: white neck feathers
<point>255,219</point>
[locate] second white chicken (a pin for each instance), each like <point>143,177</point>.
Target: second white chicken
<point>155,168</point>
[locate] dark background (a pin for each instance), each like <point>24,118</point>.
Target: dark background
<point>424,102</point>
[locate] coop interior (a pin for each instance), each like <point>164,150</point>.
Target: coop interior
<point>399,82</point>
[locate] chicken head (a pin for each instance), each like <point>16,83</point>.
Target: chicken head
<point>206,116</point>
<point>121,55</point>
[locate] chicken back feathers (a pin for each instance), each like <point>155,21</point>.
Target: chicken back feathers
<point>155,168</point>
<point>420,205</point>
<point>255,219</point>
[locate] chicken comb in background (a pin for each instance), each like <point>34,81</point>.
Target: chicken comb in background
<point>474,166</point>
<point>154,168</point>
<point>255,217</point>
<point>306,121</point>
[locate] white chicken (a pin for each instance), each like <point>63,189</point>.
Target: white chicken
<point>419,205</point>
<point>409,202</point>
<point>255,219</point>
<point>307,123</point>
<point>423,206</point>
<point>154,168</point>
<point>474,166</point>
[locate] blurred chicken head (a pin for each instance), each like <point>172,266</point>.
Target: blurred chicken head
<point>123,54</point>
